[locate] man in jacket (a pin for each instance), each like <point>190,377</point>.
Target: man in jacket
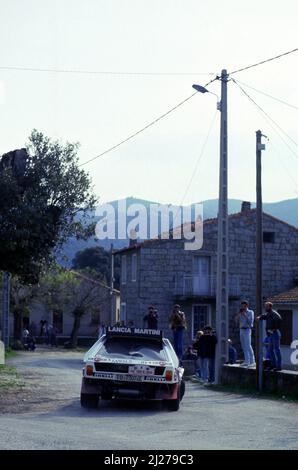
<point>273,327</point>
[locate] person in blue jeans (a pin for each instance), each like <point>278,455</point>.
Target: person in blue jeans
<point>273,327</point>
<point>178,326</point>
<point>207,347</point>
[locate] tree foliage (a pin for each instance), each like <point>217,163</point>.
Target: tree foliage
<point>39,207</point>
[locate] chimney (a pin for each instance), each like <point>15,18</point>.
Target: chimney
<point>245,206</point>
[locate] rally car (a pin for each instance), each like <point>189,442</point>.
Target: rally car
<point>132,363</point>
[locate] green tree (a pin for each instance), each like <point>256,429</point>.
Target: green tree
<point>74,294</point>
<point>42,206</point>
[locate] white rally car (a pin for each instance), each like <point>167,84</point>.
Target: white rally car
<point>133,363</point>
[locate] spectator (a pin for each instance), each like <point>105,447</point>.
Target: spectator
<point>232,353</point>
<point>189,354</point>
<point>151,318</point>
<point>53,336</point>
<point>197,347</point>
<point>267,356</point>
<point>46,332</point>
<point>208,343</point>
<point>101,330</point>
<point>273,327</point>
<point>245,317</point>
<point>178,325</point>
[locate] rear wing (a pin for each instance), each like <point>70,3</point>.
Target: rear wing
<point>125,331</point>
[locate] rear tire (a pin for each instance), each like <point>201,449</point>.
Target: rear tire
<point>89,400</point>
<point>173,405</point>
<point>182,389</point>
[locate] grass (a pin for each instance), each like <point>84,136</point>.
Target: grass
<point>9,378</point>
<point>9,353</point>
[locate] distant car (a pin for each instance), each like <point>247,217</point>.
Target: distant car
<point>132,363</point>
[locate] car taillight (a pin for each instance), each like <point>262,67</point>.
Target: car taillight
<point>169,375</point>
<point>89,370</point>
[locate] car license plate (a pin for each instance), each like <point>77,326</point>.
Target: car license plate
<point>141,370</point>
<point>129,378</point>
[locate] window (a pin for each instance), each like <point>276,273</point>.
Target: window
<point>134,267</point>
<point>123,313</point>
<point>123,269</point>
<point>286,327</point>
<point>58,321</point>
<point>268,237</point>
<point>200,318</point>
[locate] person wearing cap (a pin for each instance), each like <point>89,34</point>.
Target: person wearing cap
<point>245,317</point>
<point>151,318</point>
<point>177,323</point>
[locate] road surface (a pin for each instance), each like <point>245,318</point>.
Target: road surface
<point>46,414</point>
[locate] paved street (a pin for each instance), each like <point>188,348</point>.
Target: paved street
<point>46,414</point>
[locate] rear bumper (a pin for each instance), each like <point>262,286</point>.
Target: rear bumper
<point>146,391</point>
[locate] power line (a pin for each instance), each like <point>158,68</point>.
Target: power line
<point>270,119</point>
<point>98,72</point>
<point>281,161</point>
<point>143,128</point>
<point>264,61</point>
<point>199,157</point>
<point>269,96</point>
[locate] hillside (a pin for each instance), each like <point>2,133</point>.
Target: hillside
<point>286,210</point>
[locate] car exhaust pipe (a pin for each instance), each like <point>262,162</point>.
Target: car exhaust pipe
<point>129,393</point>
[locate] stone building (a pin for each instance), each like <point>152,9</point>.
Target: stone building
<point>162,272</point>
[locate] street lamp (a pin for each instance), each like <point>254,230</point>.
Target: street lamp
<point>202,89</point>
<point>222,275</point>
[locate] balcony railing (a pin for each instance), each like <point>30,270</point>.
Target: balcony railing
<point>196,285</point>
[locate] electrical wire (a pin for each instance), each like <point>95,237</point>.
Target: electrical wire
<point>143,128</point>
<point>267,94</point>
<point>281,161</point>
<point>196,167</point>
<point>264,61</point>
<point>268,118</point>
<point>200,156</point>
<point>98,72</point>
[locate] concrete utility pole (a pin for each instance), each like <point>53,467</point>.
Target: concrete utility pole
<point>5,309</point>
<point>222,284</point>
<point>259,262</point>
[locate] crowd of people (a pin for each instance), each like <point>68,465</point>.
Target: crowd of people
<point>203,349</point>
<point>47,334</point>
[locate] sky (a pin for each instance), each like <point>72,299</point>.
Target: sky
<point>176,160</point>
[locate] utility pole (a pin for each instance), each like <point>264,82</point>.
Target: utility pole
<point>259,261</point>
<point>222,285</point>
<point>5,309</point>
<point>112,286</point>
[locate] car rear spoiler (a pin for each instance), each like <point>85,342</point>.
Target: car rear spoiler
<point>127,331</point>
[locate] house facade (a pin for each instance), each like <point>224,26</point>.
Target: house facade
<point>162,272</point>
<point>286,303</point>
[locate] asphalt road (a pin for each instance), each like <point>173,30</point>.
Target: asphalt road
<point>47,415</point>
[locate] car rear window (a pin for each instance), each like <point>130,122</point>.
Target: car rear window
<point>130,348</point>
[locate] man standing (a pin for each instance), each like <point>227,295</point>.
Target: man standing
<point>151,318</point>
<point>207,345</point>
<point>273,326</point>
<point>178,325</point>
<point>246,321</point>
